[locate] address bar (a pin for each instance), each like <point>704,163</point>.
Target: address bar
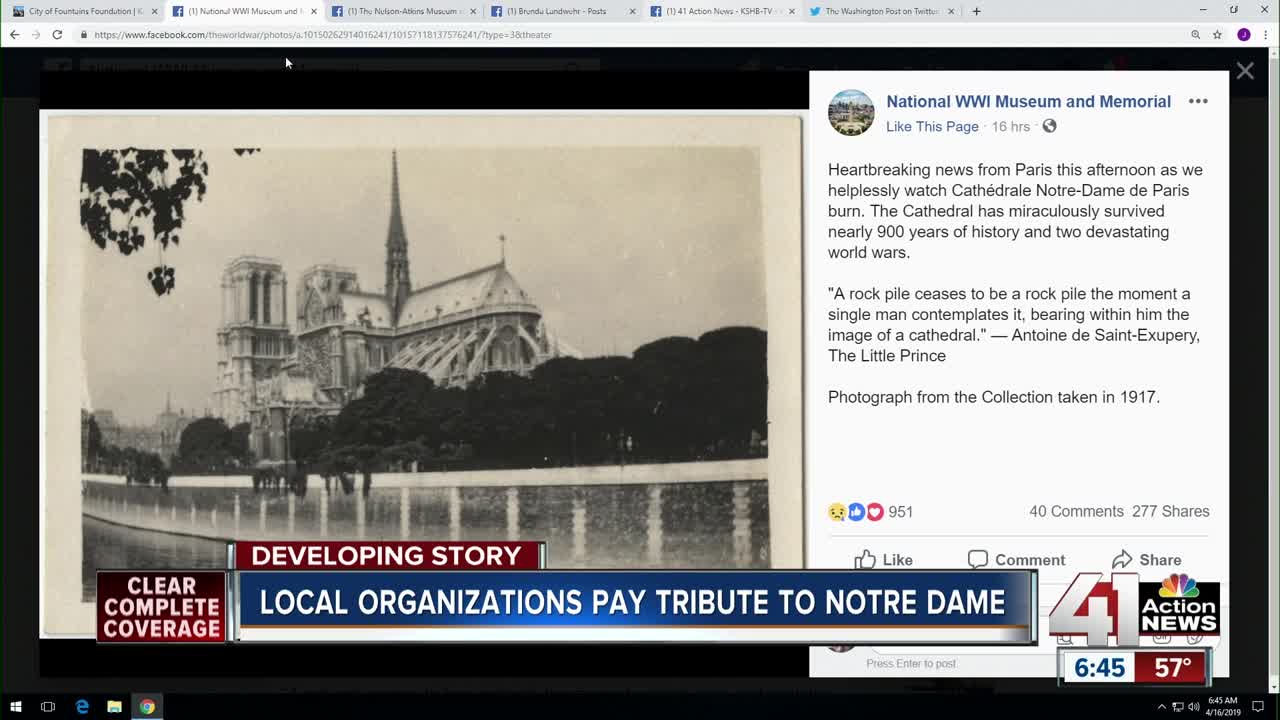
<point>644,34</point>
<point>340,36</point>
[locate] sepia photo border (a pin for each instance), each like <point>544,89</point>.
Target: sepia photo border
<point>776,137</point>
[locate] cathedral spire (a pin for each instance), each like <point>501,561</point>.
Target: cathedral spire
<point>397,223</point>
<point>397,285</point>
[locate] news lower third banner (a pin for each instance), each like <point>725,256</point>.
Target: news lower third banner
<point>282,598</point>
<point>625,606</point>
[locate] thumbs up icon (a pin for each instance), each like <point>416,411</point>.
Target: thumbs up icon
<point>865,561</point>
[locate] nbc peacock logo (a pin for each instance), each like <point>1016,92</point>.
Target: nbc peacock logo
<point>1179,586</point>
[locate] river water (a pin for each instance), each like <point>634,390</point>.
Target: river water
<point>695,525</point>
<point>108,546</point>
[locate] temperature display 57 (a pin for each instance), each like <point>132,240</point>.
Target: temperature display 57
<point>1134,666</point>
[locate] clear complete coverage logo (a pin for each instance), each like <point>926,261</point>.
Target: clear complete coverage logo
<point>1126,609</point>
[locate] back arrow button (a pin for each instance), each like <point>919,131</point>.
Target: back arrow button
<point>13,34</point>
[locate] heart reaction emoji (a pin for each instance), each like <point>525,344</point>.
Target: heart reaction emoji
<point>875,511</point>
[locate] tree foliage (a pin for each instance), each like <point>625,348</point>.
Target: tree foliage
<point>676,399</point>
<point>94,443</point>
<point>131,196</point>
<point>239,441</point>
<point>207,445</point>
<point>309,439</point>
<point>137,466</point>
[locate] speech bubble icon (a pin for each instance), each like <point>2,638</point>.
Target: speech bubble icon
<point>978,558</point>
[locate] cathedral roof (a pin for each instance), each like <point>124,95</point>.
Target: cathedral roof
<point>373,307</point>
<point>485,287</point>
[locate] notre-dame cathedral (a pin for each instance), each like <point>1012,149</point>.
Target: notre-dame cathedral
<point>452,330</point>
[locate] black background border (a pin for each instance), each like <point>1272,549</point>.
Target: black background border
<point>633,78</point>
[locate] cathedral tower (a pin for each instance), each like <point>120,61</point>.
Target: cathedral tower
<point>397,287</point>
<point>254,338</point>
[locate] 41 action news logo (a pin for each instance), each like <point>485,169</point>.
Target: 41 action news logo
<point>1126,609</point>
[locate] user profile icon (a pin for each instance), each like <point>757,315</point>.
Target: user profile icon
<point>851,112</point>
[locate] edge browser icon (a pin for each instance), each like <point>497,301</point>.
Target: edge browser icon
<point>82,707</point>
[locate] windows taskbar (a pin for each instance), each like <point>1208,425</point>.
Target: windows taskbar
<point>302,702</point>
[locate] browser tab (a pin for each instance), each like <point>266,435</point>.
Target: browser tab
<point>1015,11</point>
<point>253,11</point>
<point>83,11</point>
<point>391,11</point>
<point>705,10</point>
<point>881,11</point>
<point>559,11</point>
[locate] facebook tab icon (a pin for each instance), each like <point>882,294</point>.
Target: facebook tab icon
<point>178,10</point>
<point>655,11</point>
<point>337,11</point>
<point>495,11</point>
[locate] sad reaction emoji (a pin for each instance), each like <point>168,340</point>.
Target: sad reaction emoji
<point>837,511</point>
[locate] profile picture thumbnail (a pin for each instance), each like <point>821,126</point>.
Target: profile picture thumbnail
<point>851,112</point>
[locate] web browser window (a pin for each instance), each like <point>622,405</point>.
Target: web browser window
<point>382,357</point>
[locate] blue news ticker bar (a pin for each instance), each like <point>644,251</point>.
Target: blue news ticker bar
<point>258,592</point>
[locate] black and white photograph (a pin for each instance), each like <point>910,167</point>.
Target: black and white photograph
<point>566,339</point>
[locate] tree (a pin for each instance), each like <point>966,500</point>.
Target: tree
<point>94,447</point>
<point>676,399</point>
<point>355,458</point>
<point>405,398</point>
<point>395,408</point>
<point>399,457</point>
<point>664,371</point>
<point>205,446</point>
<point>309,438</point>
<point>594,402</point>
<point>447,421</point>
<point>132,195</point>
<point>238,443</point>
<point>152,470</point>
<point>732,386</point>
